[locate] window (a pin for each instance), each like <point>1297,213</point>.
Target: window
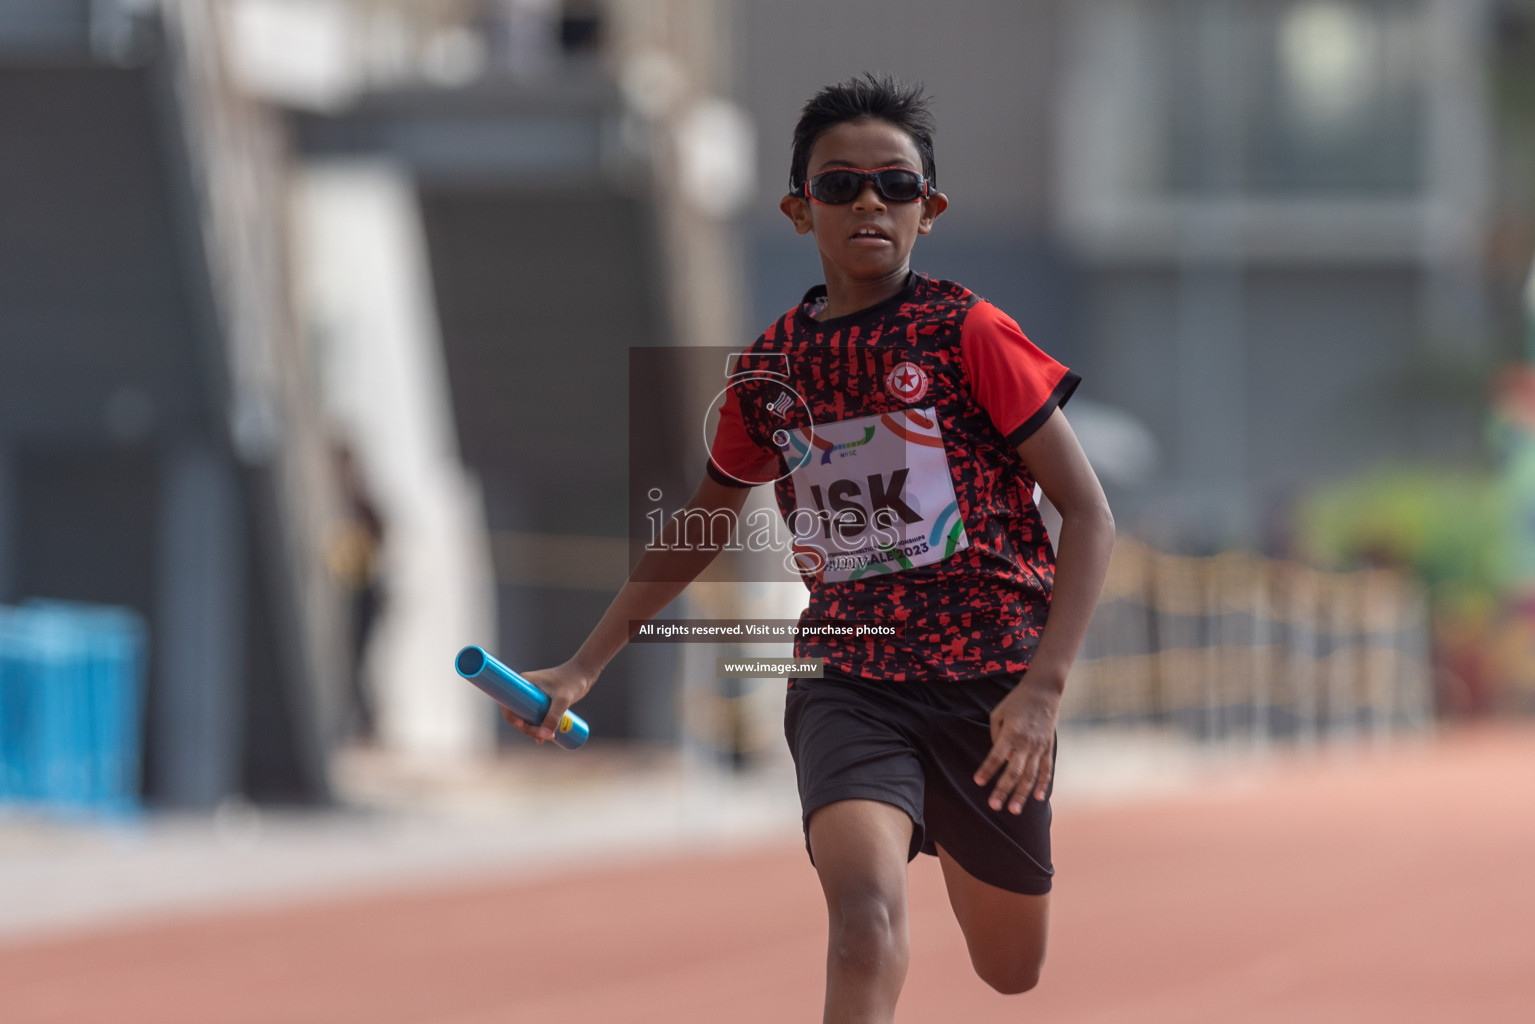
<point>1281,126</point>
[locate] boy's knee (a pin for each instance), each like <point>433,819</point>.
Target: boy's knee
<point>1010,977</point>
<point>868,932</point>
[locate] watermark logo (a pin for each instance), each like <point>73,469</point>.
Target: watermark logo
<point>767,374</point>
<point>857,495</point>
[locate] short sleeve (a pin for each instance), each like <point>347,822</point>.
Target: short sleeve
<point>734,459</point>
<point>1017,384</point>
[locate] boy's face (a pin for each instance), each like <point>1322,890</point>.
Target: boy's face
<point>869,238</point>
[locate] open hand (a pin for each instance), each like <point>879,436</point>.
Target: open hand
<point>1022,738</point>
<point>565,684</point>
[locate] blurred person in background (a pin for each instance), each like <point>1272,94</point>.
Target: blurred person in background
<point>355,560</point>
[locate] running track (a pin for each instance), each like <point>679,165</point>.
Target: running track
<point>1396,887</point>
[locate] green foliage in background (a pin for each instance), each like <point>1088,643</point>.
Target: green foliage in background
<point>1450,528</point>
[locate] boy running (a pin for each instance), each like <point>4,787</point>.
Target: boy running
<point>942,418</point>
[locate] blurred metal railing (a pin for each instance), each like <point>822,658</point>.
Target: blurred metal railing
<point>1239,647</point>
<point>71,699</point>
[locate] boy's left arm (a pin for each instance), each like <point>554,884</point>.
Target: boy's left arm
<point>1023,724</point>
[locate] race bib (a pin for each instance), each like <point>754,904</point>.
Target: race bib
<point>873,495</point>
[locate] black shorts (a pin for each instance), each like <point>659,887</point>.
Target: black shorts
<point>917,746</point>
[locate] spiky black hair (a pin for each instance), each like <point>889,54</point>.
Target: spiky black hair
<point>866,97</point>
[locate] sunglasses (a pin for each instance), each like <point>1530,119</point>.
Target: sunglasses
<point>842,185</point>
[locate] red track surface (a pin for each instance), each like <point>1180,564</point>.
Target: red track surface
<point>1387,887</point>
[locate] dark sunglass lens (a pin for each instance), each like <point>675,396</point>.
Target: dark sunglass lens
<point>835,186</point>
<point>900,186</point>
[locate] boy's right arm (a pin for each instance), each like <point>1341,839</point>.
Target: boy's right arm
<point>659,577</point>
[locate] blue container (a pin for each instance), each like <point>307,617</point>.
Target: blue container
<point>71,694</point>
<point>517,695</point>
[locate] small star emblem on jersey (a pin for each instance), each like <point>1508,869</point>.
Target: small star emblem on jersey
<point>907,382</point>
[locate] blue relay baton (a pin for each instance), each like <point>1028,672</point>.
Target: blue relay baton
<point>517,695</point>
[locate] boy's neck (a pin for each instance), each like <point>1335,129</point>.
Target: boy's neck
<point>845,296</point>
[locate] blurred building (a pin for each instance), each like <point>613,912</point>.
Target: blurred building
<point>1255,228</point>
<point>160,445</point>
<point>245,235</point>
<point>533,157</point>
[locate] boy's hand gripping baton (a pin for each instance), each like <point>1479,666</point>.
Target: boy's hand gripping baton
<point>517,695</point>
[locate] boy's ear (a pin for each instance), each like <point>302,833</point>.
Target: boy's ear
<point>932,207</point>
<point>797,209</point>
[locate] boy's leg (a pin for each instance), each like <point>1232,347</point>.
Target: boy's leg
<point>1004,931</point>
<point>860,849</point>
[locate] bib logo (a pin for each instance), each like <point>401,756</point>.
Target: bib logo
<point>889,509</point>
<point>907,382</point>
<point>846,448</point>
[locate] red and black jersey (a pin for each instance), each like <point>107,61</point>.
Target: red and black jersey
<point>890,436</point>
